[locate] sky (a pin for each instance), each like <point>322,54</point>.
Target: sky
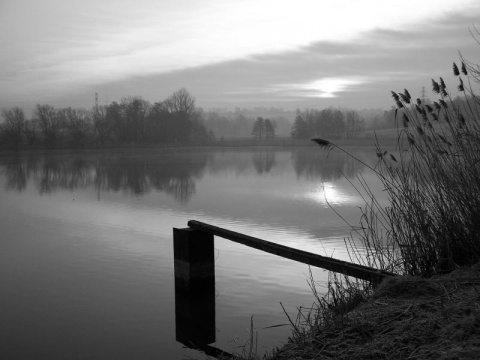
<point>231,53</point>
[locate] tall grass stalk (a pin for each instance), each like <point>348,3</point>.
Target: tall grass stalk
<point>432,223</point>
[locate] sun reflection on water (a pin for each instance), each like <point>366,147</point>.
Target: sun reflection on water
<point>330,193</point>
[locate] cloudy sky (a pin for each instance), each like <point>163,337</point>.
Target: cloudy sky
<point>228,53</point>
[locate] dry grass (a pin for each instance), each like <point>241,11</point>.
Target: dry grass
<point>432,181</point>
<point>429,234</point>
<point>405,318</point>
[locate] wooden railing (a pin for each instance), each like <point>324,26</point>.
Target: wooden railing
<point>324,262</point>
<point>195,276</point>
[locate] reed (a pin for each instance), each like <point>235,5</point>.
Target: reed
<point>432,180</point>
<point>431,225</point>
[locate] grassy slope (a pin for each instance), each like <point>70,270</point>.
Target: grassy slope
<point>406,318</point>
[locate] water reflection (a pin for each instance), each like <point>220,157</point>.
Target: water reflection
<point>168,172</point>
<point>133,174</point>
<point>16,173</point>
<point>263,161</point>
<point>311,164</point>
<point>194,263</point>
<point>122,245</point>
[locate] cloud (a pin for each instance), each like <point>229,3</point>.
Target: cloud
<point>272,54</point>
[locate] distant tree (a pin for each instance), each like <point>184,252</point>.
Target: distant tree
<point>242,125</point>
<point>51,124</point>
<point>102,127</point>
<point>30,131</point>
<point>78,123</point>
<point>176,119</point>
<point>186,126</point>
<point>386,120</point>
<point>332,123</point>
<point>258,130</point>
<point>158,124</point>
<point>220,125</point>
<point>299,127</point>
<point>117,121</point>
<point>182,102</point>
<point>353,124</point>
<point>210,135</point>
<point>269,129</point>
<point>135,111</point>
<point>12,128</point>
<point>327,123</point>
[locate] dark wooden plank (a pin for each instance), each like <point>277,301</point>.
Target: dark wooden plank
<point>344,267</point>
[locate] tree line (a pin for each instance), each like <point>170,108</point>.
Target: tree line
<point>263,129</point>
<point>132,120</point>
<point>176,120</point>
<point>327,123</point>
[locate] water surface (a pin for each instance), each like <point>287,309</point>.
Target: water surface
<point>86,261</point>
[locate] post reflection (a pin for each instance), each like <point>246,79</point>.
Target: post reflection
<point>194,266</point>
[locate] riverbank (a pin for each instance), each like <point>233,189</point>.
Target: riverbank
<point>405,318</point>
<point>223,143</point>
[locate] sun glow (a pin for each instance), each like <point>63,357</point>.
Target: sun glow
<point>329,87</point>
<point>329,193</point>
<point>62,46</point>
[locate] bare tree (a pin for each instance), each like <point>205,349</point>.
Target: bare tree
<point>186,126</point>
<point>135,111</point>
<point>12,127</point>
<point>30,130</point>
<point>354,124</point>
<point>51,124</point>
<point>78,124</point>
<point>182,102</point>
<point>102,125</point>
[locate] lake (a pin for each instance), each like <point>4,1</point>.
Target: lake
<point>86,260</point>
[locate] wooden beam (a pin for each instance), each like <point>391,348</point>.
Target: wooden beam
<point>343,267</point>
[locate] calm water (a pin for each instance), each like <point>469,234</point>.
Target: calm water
<point>86,260</point>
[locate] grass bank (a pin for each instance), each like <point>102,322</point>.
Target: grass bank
<point>429,235</point>
<point>404,318</point>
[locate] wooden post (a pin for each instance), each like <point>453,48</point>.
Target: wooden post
<point>194,287</point>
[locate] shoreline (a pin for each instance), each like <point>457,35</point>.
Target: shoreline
<point>365,142</point>
<point>405,318</point>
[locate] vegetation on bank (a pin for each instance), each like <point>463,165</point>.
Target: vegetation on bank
<point>404,318</point>
<point>429,235</point>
